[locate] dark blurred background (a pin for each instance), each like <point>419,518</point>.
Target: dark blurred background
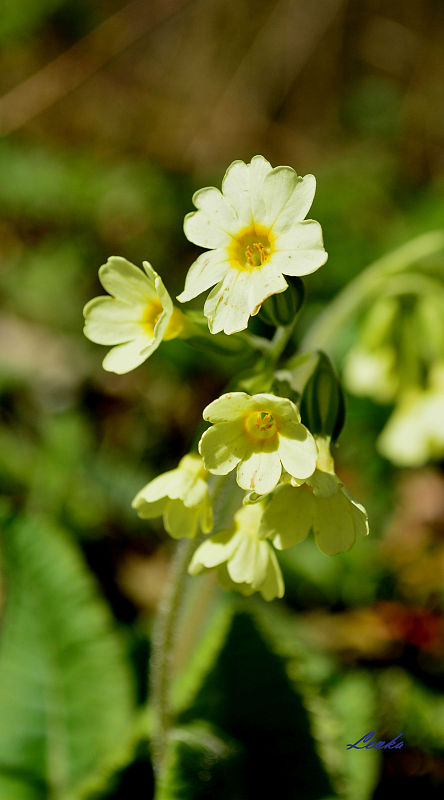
<point>111,115</point>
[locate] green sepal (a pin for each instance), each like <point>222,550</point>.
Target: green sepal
<point>253,381</point>
<point>282,387</point>
<point>281,309</point>
<point>323,401</point>
<point>200,337</point>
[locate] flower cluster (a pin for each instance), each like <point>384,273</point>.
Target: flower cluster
<point>255,232</point>
<point>398,359</point>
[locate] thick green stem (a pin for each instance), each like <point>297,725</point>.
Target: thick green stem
<point>163,637</point>
<point>366,285</point>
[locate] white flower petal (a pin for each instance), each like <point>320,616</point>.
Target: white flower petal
<point>261,562</point>
<point>242,186</point>
<point>287,518</point>
<point>223,446</point>
<point>109,321</point>
<point>260,472</point>
<point>333,524</point>
<point>149,509</point>
<point>298,262</point>
<point>227,583</point>
<point>297,206</point>
<point>201,230</point>
<point>273,584</point>
<point>263,282</point>
<point>305,235</point>
<point>180,521</point>
<point>160,289</point>
<point>227,407</point>
<point>278,186</point>
<point>235,187</point>
<point>155,490</point>
<point>358,513</point>
<point>208,269</point>
<point>212,203</point>
<point>227,306</point>
<point>124,280</point>
<point>297,450</point>
<point>213,551</point>
<point>125,357</point>
<point>241,565</point>
<point>258,170</point>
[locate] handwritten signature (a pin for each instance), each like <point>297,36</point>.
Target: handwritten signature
<point>382,745</point>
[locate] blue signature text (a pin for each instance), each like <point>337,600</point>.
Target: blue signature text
<point>366,744</point>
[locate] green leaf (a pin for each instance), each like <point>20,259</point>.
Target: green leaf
<point>248,696</point>
<point>352,701</point>
<point>65,689</point>
<point>414,708</point>
<point>200,763</point>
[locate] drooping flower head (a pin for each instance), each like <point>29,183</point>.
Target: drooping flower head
<point>244,561</point>
<point>135,318</point>
<point>256,233</point>
<point>414,433</point>
<point>181,497</point>
<point>259,434</point>
<point>321,503</point>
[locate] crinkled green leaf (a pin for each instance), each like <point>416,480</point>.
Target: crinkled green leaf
<point>65,688</point>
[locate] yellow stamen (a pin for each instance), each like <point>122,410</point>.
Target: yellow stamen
<point>251,248</point>
<point>260,425</point>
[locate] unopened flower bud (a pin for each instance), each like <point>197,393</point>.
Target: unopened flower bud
<point>323,403</point>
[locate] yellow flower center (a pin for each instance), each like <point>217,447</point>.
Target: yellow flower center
<point>251,248</point>
<point>152,314</point>
<point>260,425</point>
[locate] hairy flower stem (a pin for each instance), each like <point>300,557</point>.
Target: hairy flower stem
<point>224,493</point>
<point>163,637</point>
<point>278,344</point>
<point>368,283</point>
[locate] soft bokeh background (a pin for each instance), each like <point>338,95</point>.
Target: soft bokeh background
<point>112,114</point>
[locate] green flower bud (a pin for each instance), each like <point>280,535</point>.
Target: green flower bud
<point>323,402</point>
<point>281,309</point>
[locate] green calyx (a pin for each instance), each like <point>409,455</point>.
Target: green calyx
<point>281,309</point>
<point>323,402</point>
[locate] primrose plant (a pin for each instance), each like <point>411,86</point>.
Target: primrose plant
<point>256,233</point>
<point>264,474</point>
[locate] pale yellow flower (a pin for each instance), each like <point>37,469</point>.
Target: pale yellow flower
<point>181,497</point>
<point>136,318</point>
<point>256,233</point>
<point>414,434</point>
<point>243,560</point>
<point>259,435</point>
<point>322,504</point>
